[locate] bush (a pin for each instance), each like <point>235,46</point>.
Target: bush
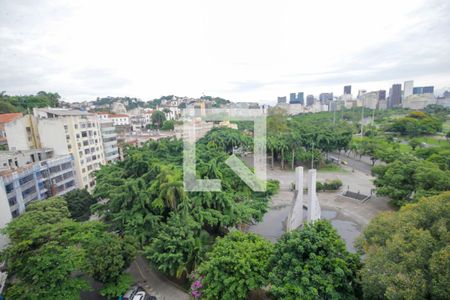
<point>329,185</point>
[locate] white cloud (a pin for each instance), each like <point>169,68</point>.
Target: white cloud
<point>242,50</point>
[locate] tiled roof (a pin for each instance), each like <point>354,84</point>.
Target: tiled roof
<point>6,118</point>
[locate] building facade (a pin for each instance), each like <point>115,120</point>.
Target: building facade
<point>395,96</point>
<point>408,88</point>
<point>347,89</point>
<point>109,139</point>
<point>26,180</point>
<point>67,132</point>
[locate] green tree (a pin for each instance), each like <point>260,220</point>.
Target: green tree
<point>313,263</point>
<point>79,203</point>
<point>168,125</point>
<point>49,253</point>
<point>407,252</point>
<point>158,118</point>
<point>408,178</point>
<point>414,143</point>
<point>178,247</point>
<point>236,265</point>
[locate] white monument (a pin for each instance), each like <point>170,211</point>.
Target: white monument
<point>295,218</point>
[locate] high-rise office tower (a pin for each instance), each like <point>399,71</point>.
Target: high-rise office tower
<point>326,97</point>
<point>281,100</point>
<point>395,95</point>
<point>292,98</point>
<point>408,88</point>
<point>300,98</point>
<point>382,95</point>
<point>347,90</point>
<point>310,100</point>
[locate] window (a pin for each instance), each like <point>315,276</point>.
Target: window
<point>76,126</point>
<point>55,169</point>
<point>12,201</point>
<point>78,135</point>
<point>15,213</point>
<point>84,134</point>
<point>65,127</point>
<point>26,179</point>
<point>85,143</point>
<point>66,165</point>
<point>9,187</point>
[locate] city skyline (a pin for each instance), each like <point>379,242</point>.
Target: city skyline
<point>82,52</point>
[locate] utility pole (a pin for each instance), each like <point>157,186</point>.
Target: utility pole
<point>334,116</point>
<point>373,116</point>
<point>362,120</point>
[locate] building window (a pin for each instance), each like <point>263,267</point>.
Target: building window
<point>9,187</point>
<point>84,134</point>
<point>15,213</point>
<point>12,201</point>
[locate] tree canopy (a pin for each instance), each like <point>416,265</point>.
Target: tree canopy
<point>10,104</point>
<point>407,252</point>
<point>236,265</point>
<point>313,263</point>
<point>146,199</point>
<point>49,253</point>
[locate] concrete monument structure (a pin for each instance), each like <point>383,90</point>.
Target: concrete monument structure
<point>295,218</point>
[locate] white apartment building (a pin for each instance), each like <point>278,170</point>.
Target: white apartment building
<point>67,132</point>
<point>109,138</point>
<point>32,175</point>
<point>120,119</point>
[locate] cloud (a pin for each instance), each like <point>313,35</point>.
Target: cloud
<point>248,52</point>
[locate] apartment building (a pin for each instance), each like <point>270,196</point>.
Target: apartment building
<point>120,119</point>
<point>109,138</point>
<point>4,119</point>
<point>67,132</point>
<point>30,175</point>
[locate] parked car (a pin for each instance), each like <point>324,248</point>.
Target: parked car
<point>137,293</point>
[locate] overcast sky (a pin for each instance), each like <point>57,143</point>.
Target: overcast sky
<point>239,50</point>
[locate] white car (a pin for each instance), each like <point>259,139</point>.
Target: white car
<point>140,295</point>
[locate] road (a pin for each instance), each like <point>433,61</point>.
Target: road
<point>364,165</point>
<point>155,283</point>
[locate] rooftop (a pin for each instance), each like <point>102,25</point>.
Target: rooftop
<point>6,118</point>
<point>64,112</point>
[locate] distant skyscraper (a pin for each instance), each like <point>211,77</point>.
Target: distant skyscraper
<point>292,98</point>
<point>395,96</point>
<point>428,89</point>
<point>282,99</point>
<point>347,90</point>
<point>382,95</point>
<point>408,88</point>
<point>326,97</point>
<point>361,92</point>
<point>423,90</point>
<point>310,100</point>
